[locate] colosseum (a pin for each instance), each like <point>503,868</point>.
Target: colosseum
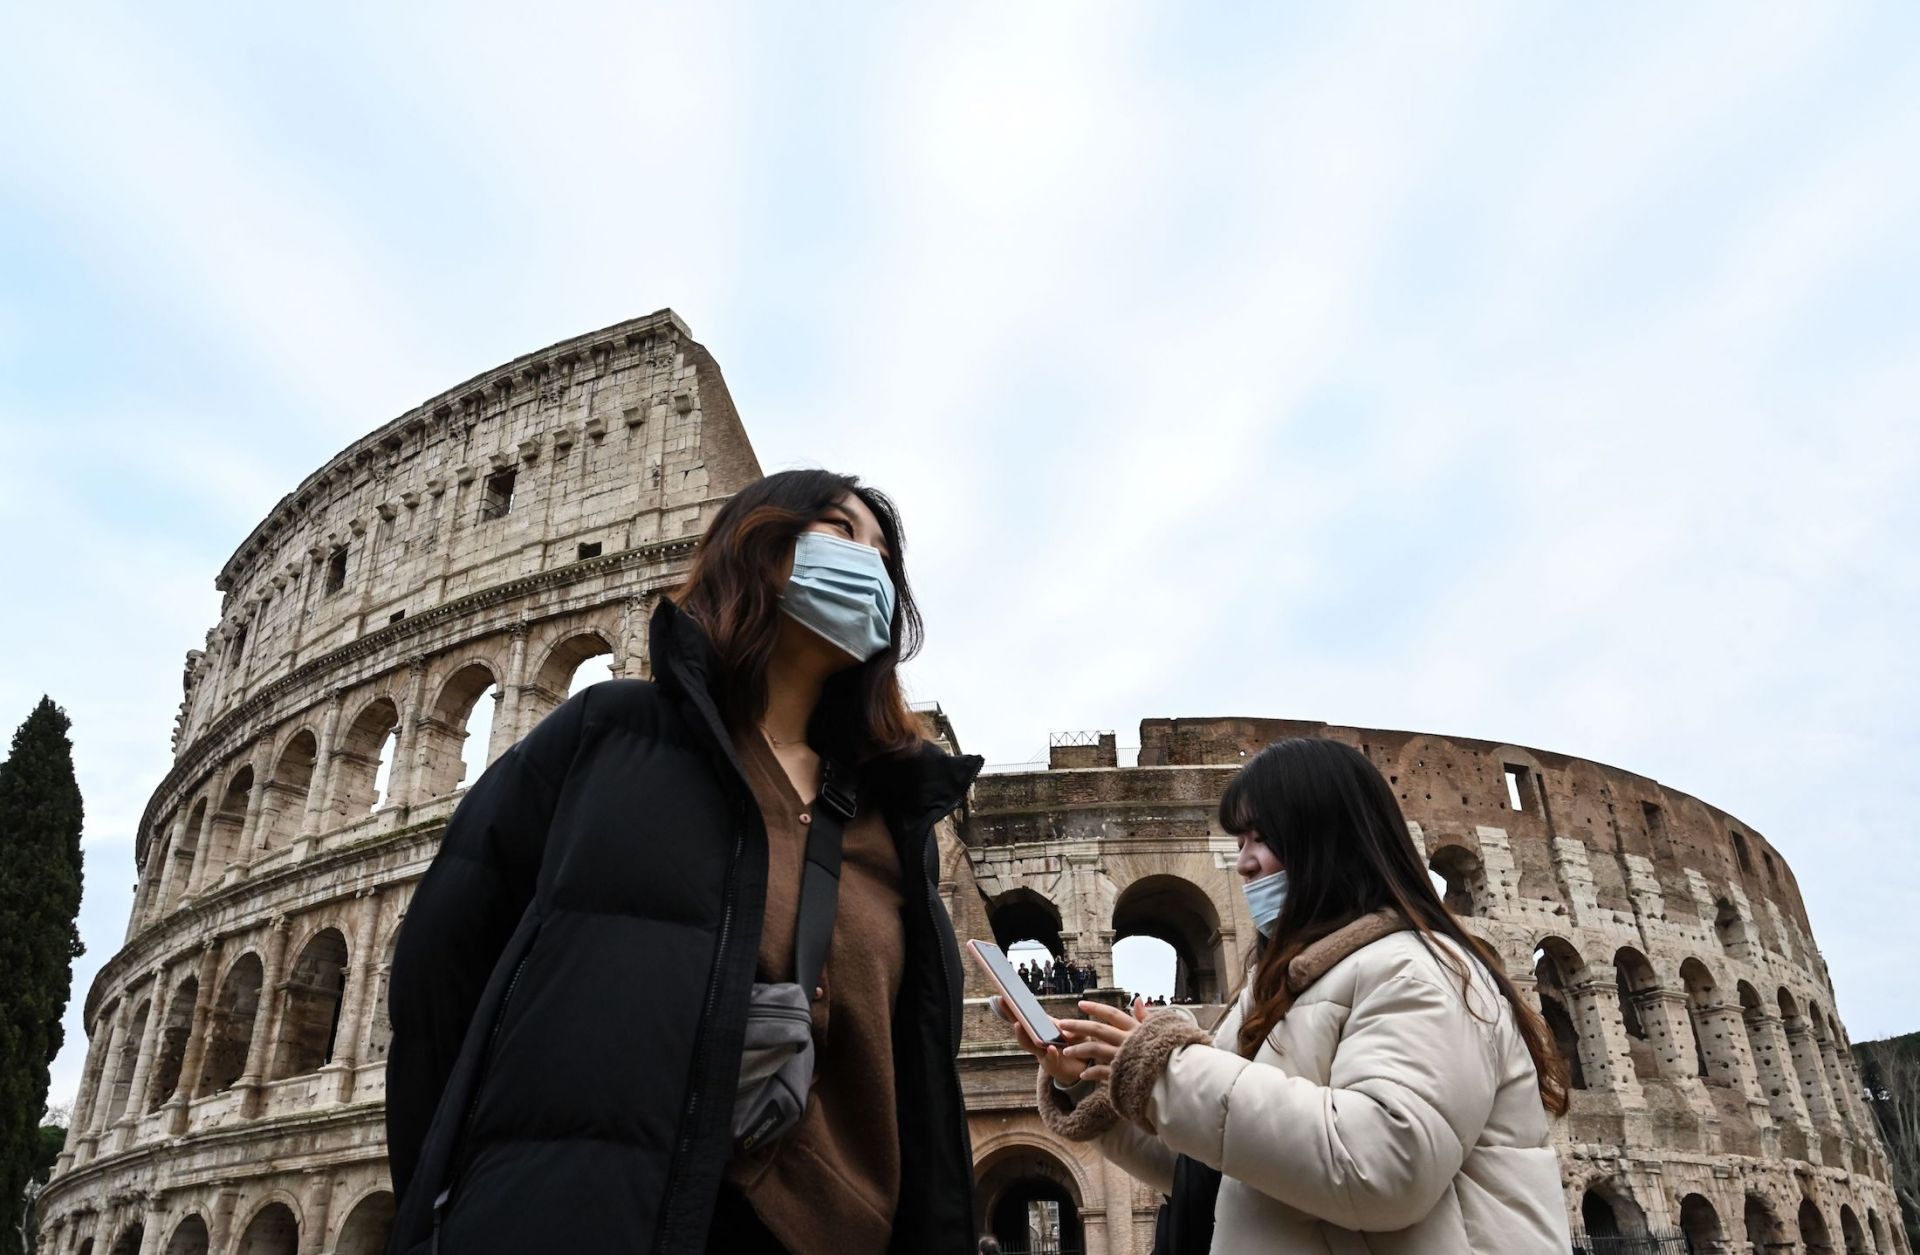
<point>425,597</point>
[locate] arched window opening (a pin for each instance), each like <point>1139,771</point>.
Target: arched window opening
<point>592,671</point>
<point>454,738</point>
<point>1701,1224</point>
<point>130,1239</point>
<point>1030,1202</point>
<point>380,1028</point>
<point>1815,1237</point>
<point>1181,914</point>
<point>224,829</point>
<point>580,660</point>
<point>1635,980</point>
<point>1740,852</point>
<point>123,1067</point>
<point>273,1232</point>
<point>1462,880</point>
<point>172,1051</point>
<point>310,1017</point>
<point>285,803</point>
<point>230,1027</point>
<point>86,1248</point>
<point>1762,1225</point>
<point>1712,1055</point>
<point>367,1226</point>
<point>1852,1236</point>
<point>1022,915</point>
<point>361,768</point>
<point>1554,965</point>
<point>1145,966</point>
<point>189,1237</point>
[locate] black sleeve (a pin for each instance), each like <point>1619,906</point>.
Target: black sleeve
<point>458,922</point>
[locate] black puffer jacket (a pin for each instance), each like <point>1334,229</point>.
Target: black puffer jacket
<point>570,987</point>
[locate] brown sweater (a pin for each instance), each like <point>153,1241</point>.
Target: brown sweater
<point>830,1186</point>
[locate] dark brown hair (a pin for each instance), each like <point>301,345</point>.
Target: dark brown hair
<point>733,593</point>
<point>1326,812</point>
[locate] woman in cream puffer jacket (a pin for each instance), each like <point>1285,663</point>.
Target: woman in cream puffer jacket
<point>1394,1102</point>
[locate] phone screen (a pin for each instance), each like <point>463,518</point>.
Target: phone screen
<point>1025,1005</point>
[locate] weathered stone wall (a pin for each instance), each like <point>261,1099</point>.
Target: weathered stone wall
<point>1664,938</point>
<point>232,1096</point>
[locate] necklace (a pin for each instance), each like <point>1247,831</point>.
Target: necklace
<point>768,733</point>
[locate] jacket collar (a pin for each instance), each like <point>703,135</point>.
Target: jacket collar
<point>924,784</point>
<point>1319,958</point>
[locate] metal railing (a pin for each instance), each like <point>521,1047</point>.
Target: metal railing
<point>1647,1244</point>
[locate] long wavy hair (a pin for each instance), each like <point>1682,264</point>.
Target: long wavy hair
<point>1337,828</point>
<point>734,591</point>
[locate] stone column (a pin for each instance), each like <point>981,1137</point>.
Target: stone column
<point>630,661</point>
<point>220,1223</point>
<point>170,874</point>
<point>1727,1053</point>
<point>197,876</point>
<point>143,1065</point>
<point>1837,1086</point>
<point>103,1089</point>
<point>153,1225</point>
<point>249,834</point>
<point>195,1055</point>
<point>1805,1053</point>
<point>322,784</point>
<point>361,966</point>
<point>403,780</point>
<point>266,1015</point>
<point>313,1219</point>
<point>506,718</point>
<point>1605,1056</point>
<point>83,1101</point>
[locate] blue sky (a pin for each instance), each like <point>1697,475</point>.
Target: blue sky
<point>1523,372</point>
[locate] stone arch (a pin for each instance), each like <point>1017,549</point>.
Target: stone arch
<point>189,1237</point>
<point>85,1248</point>
<point>1852,1237</point>
<point>171,1052</point>
<point>129,1059</point>
<point>1024,914</point>
<point>1609,1210</point>
<point>273,1230</point>
<point>225,826</point>
<point>367,1226</point>
<point>182,851</point>
<point>230,1025</point>
<point>1815,1237</point>
<point>553,679</point>
<point>1636,980</point>
<point>354,768</point>
<point>1556,966</point>
<point>447,761</point>
<point>1465,880</point>
<point>130,1239</point>
<point>1731,930</point>
<point>1180,913</point>
<point>1024,1188</point>
<point>380,1027</point>
<point>310,1012</point>
<point>1701,1224</point>
<point>285,802</point>
<point>1763,1227</point>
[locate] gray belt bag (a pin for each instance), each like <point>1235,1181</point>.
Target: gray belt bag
<point>777,1057</point>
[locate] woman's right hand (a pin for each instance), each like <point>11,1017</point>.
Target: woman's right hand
<point>1060,1067</point>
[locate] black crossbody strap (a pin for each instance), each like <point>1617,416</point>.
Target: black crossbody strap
<point>820,885</point>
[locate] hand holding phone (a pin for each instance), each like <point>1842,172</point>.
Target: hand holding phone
<point>1015,996</point>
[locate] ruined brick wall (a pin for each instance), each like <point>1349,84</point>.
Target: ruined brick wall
<point>232,1095</point>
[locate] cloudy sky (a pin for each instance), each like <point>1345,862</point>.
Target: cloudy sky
<point>1522,372</point>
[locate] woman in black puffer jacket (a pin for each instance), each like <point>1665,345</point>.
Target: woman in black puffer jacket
<point>570,988</point>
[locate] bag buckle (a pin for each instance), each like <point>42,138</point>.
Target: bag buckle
<point>838,799</point>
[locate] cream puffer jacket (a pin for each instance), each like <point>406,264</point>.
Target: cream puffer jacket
<point>1382,1115</point>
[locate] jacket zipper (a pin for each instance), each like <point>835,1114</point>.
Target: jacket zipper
<point>473,1105</point>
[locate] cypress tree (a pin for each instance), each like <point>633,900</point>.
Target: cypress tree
<point>39,939</point>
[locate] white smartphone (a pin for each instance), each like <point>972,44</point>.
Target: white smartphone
<point>1016,993</point>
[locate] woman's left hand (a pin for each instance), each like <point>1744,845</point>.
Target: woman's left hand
<point>1099,1039</point>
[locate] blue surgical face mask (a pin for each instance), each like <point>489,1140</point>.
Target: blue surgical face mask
<point>841,590</point>
<point>1265,897</point>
